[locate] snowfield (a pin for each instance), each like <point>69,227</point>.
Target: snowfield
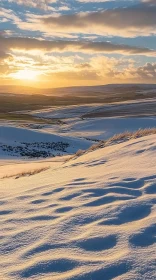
<point>24,142</point>
<point>92,218</point>
<point>64,112</point>
<point>131,108</point>
<point>88,216</point>
<point>103,128</point>
<point>99,122</point>
<point>42,141</point>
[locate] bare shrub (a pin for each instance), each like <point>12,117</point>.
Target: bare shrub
<point>27,173</point>
<point>117,138</point>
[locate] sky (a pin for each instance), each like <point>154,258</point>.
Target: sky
<point>53,43</point>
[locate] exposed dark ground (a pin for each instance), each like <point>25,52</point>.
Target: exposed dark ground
<point>139,109</point>
<point>22,98</point>
<point>27,118</point>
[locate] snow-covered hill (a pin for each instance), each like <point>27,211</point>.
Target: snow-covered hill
<point>24,142</point>
<point>137,108</point>
<point>32,141</point>
<point>92,218</point>
<point>103,128</point>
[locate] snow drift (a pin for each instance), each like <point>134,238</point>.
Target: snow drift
<point>89,218</point>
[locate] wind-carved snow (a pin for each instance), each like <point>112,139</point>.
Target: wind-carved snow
<point>89,218</point>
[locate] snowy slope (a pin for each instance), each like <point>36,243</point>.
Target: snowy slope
<point>51,140</point>
<point>18,138</point>
<point>102,128</point>
<point>92,218</point>
<point>64,112</point>
<point>99,122</point>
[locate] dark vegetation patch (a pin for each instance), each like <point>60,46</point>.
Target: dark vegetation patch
<point>36,149</point>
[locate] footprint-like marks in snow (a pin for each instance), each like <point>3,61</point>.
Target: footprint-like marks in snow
<point>38,201</point>
<point>108,199</point>
<point>52,266</point>
<point>63,209</point>
<point>151,189</point>
<point>32,218</point>
<point>77,164</point>
<point>80,184</point>
<point>80,220</point>
<point>38,189</point>
<point>79,179</point>
<point>113,178</point>
<point>5,212</point>
<point>25,197</point>
<point>130,179</point>
<point>52,205</point>
<point>96,192</point>
<point>145,238</point>
<point>98,243</point>
<point>106,273</point>
<point>130,214</point>
<point>140,151</point>
<point>53,191</point>
<point>70,196</point>
<point>96,163</point>
<point>150,177</point>
<point>136,184</point>
<point>41,249</point>
<point>42,218</point>
<point>2,202</point>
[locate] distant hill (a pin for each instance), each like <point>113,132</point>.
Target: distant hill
<point>15,98</point>
<point>11,89</point>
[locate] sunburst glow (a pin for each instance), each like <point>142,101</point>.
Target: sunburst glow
<point>26,74</point>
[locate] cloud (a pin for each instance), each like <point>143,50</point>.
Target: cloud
<point>78,57</point>
<point>110,70</point>
<point>148,71</point>
<point>131,21</point>
<point>102,70</point>
<point>10,43</point>
<point>126,22</point>
<point>39,4</point>
<point>74,69</point>
<point>8,15</point>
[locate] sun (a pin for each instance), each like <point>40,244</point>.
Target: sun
<point>26,74</point>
